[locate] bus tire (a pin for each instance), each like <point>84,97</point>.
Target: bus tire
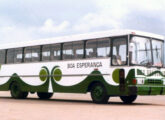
<point>16,91</point>
<point>99,94</point>
<point>44,95</point>
<point>128,99</point>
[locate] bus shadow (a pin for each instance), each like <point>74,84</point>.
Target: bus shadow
<point>88,102</point>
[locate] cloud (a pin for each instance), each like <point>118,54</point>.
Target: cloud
<point>14,34</point>
<point>37,19</point>
<point>50,27</point>
<point>11,32</point>
<point>123,14</point>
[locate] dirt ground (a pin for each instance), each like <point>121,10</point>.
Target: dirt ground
<point>80,107</point>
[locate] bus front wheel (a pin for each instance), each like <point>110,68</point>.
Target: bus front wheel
<point>44,95</point>
<point>128,99</point>
<point>16,91</point>
<point>99,93</point>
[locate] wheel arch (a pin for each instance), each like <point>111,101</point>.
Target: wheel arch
<point>92,83</point>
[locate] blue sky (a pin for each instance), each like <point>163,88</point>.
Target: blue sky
<point>22,20</point>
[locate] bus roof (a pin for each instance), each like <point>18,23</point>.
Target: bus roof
<point>95,35</point>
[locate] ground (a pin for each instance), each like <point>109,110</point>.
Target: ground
<point>80,107</point>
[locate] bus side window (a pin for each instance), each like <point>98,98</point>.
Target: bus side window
<point>46,52</point>
<point>91,49</point>
<point>35,54</point>
<point>56,52</point>
<point>103,47</point>
<point>2,56</point>
<point>78,50</point>
<point>28,54</point>
<point>67,51</point>
<point>18,56</point>
<point>10,56</point>
<point>119,51</point>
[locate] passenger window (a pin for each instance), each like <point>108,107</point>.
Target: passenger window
<point>103,48</point>
<point>91,49</point>
<point>28,55</point>
<point>56,52</point>
<point>36,53</point>
<point>46,52</point>
<point>2,56</point>
<point>119,51</point>
<point>10,56</point>
<point>78,50</point>
<point>18,56</point>
<point>68,51</point>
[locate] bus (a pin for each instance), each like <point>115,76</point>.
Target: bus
<point>115,63</point>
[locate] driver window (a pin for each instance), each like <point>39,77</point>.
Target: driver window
<point>119,51</point>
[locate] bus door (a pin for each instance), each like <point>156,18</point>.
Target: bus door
<point>119,58</point>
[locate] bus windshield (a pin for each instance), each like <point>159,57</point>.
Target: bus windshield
<point>146,51</point>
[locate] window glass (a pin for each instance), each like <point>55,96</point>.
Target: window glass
<point>2,56</point>
<point>103,47</point>
<point>46,49</point>
<point>91,48</point>
<point>10,56</point>
<point>140,51</point>
<point>157,49</point>
<point>18,55</point>
<point>119,51</point>
<point>28,55</point>
<point>56,52</point>
<point>68,51</point>
<point>78,50</point>
<point>35,53</point>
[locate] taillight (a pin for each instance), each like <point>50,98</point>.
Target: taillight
<point>134,81</point>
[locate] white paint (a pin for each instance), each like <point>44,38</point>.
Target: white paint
<point>50,89</point>
<point>29,69</point>
<point>4,80</point>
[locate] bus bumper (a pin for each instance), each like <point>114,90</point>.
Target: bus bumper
<point>146,90</point>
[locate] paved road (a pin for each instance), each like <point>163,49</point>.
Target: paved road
<point>80,107</point>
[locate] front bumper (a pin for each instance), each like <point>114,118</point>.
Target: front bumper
<point>146,90</point>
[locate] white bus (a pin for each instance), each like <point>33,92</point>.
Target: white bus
<point>123,63</point>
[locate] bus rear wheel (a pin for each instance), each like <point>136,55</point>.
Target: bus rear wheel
<point>16,91</point>
<point>128,99</point>
<point>99,94</point>
<point>44,95</point>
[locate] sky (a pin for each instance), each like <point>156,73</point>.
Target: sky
<point>23,20</point>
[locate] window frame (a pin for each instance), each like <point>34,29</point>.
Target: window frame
<point>112,42</point>
<point>52,52</point>
<point>38,48</point>
<point>74,55</point>
<point>7,56</point>
<point>42,57</point>
<point>16,49</point>
<point>131,36</point>
<point>24,59</point>
<point>29,50</point>
<point>4,59</point>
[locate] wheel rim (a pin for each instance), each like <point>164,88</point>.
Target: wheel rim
<point>97,92</point>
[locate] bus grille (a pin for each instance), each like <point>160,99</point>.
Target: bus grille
<point>154,81</point>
